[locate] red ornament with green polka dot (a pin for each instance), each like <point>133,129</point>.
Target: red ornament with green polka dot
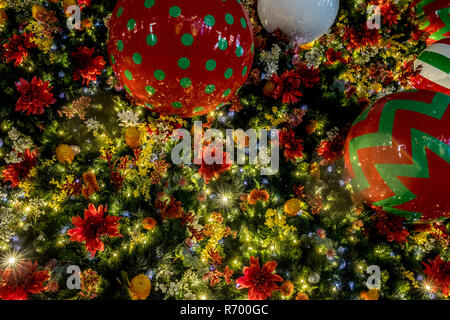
<point>181,57</point>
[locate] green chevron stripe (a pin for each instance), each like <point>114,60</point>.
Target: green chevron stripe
<point>421,4</point>
<point>436,60</point>
<point>418,169</point>
<point>362,116</point>
<point>421,13</point>
<point>384,136</point>
<point>444,15</point>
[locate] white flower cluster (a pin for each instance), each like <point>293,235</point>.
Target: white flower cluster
<point>7,223</point>
<point>21,5</point>
<point>92,125</point>
<point>387,91</point>
<point>313,57</point>
<point>175,289</point>
<point>128,119</point>
<point>20,143</point>
<point>366,55</point>
<point>23,218</point>
<point>271,59</point>
<point>332,134</point>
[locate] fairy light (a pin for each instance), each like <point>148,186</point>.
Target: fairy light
<point>11,259</point>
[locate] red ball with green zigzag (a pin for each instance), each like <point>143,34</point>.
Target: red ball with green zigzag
<point>435,15</point>
<point>398,155</point>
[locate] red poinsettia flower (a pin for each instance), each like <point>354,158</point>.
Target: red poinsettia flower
<point>391,226</point>
<point>85,66</point>
<point>310,76</point>
<point>389,11</point>
<point>34,96</point>
<point>361,37</point>
<point>439,272</point>
<point>287,86</point>
<point>17,48</point>
<point>16,172</point>
<point>94,225</point>
<point>333,56</point>
<point>260,281</point>
<point>210,171</point>
<point>293,147</point>
<point>17,283</point>
<point>169,207</point>
<point>332,150</point>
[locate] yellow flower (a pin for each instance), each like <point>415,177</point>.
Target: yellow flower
<point>65,154</point>
<point>140,287</point>
<point>133,138</point>
<point>307,46</point>
<point>273,219</point>
<point>292,207</point>
<point>36,9</point>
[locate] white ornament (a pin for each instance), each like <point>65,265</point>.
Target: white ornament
<point>303,21</point>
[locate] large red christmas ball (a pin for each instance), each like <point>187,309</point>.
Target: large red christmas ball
<point>181,57</point>
<point>398,154</point>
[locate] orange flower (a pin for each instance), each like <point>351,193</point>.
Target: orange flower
<point>372,294</point>
<point>67,4</point>
<point>302,296</point>
<point>87,191</point>
<point>287,288</point>
<point>65,154</point>
<point>133,138</point>
<point>90,185</point>
<point>311,127</point>
<point>257,195</point>
<point>292,207</point>
<point>140,287</point>
<point>149,223</point>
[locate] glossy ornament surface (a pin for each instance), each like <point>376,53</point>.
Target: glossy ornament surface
<point>435,17</point>
<point>398,154</point>
<point>181,57</point>
<point>303,21</point>
<point>435,72</point>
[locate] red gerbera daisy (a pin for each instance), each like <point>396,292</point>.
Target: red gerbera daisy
<point>16,49</point>
<point>361,37</point>
<point>310,76</point>
<point>332,150</point>
<point>293,147</point>
<point>34,96</point>
<point>16,172</point>
<point>260,281</point>
<point>86,67</point>
<point>209,171</point>
<point>439,272</point>
<point>389,12</point>
<point>17,283</point>
<point>94,225</point>
<point>287,86</point>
